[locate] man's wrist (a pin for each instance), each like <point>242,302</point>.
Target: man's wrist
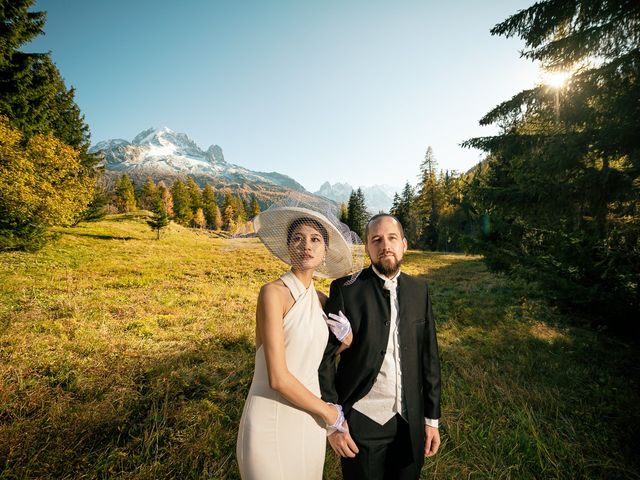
<point>431,422</point>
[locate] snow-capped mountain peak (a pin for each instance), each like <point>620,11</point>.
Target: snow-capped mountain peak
<point>163,153</point>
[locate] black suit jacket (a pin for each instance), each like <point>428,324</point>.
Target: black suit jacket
<point>366,305</point>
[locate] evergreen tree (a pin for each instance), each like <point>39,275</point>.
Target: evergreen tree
<point>195,194</point>
<point>41,185</point>
<point>97,208</point>
<point>19,27</point>
<point>182,211</point>
<point>36,103</point>
<point>32,93</point>
<point>453,220</point>
<point>160,217</point>
<point>240,213</point>
<point>428,203</point>
<point>561,188</point>
<point>406,214</point>
<point>199,221</point>
<point>148,195</point>
<point>246,202</point>
<point>357,215</point>
<point>124,194</point>
<point>209,206</point>
<point>254,208</point>
<point>395,205</point>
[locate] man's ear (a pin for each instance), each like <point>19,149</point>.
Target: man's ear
<point>406,245</point>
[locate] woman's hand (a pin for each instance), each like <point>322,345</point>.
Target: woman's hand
<point>340,327</point>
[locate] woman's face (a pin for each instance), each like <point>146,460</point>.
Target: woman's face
<point>306,248</point>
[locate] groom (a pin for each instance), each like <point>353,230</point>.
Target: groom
<point>388,381</point>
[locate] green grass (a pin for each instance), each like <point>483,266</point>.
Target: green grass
<point>126,357</point>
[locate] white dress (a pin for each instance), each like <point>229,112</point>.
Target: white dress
<point>277,440</point>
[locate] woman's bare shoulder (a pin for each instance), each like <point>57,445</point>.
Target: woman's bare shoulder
<point>275,290</point>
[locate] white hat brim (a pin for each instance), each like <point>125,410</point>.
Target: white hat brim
<point>272,225</point>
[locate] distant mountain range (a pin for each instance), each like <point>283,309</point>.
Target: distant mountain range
<point>163,154</point>
<point>377,197</point>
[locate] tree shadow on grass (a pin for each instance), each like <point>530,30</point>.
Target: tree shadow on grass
<point>104,236</point>
<point>167,416</point>
<point>526,392</point>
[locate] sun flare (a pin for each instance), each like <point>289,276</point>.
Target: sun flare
<point>555,79</point>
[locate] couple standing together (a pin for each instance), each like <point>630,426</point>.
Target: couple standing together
<point>359,368</point>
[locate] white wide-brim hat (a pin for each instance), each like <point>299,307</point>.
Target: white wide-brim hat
<point>273,224</point>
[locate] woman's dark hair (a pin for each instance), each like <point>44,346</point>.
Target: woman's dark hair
<point>312,222</point>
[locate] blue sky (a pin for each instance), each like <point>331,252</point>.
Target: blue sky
<point>349,91</point>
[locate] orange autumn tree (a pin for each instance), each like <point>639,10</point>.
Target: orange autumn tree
<point>42,184</point>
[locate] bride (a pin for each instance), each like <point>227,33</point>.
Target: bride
<point>282,432</point>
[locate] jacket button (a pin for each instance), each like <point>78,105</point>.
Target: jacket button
<point>382,352</point>
<point>387,322</point>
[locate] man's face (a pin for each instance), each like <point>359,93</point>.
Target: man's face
<point>385,245</point>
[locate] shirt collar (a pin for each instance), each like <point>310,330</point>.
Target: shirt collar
<point>395,277</point>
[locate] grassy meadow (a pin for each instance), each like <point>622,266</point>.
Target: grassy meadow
<point>130,358</point>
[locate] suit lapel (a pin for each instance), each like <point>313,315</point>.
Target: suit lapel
<point>405,322</point>
<point>403,301</point>
<point>381,297</point>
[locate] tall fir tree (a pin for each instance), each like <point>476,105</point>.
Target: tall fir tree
<point>195,194</point>
<point>240,213</point>
<point>148,195</point>
<point>395,204</point>
<point>404,210</point>
<point>124,197</point>
<point>210,207</point>
<point>32,92</point>
<point>428,203</point>
<point>182,210</point>
<point>357,215</point>
<point>561,188</point>
<point>254,208</point>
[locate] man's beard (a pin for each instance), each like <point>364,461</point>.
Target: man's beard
<point>388,266</point>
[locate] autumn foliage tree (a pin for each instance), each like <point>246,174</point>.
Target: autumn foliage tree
<point>41,184</point>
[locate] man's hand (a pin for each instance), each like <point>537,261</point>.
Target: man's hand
<point>432,442</point>
<point>342,443</point>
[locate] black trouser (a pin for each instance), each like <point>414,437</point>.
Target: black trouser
<point>385,450</point>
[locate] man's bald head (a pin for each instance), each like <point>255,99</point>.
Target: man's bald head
<point>377,218</point>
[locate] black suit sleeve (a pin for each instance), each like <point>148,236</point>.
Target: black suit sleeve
<point>327,369</point>
<point>431,366</point>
